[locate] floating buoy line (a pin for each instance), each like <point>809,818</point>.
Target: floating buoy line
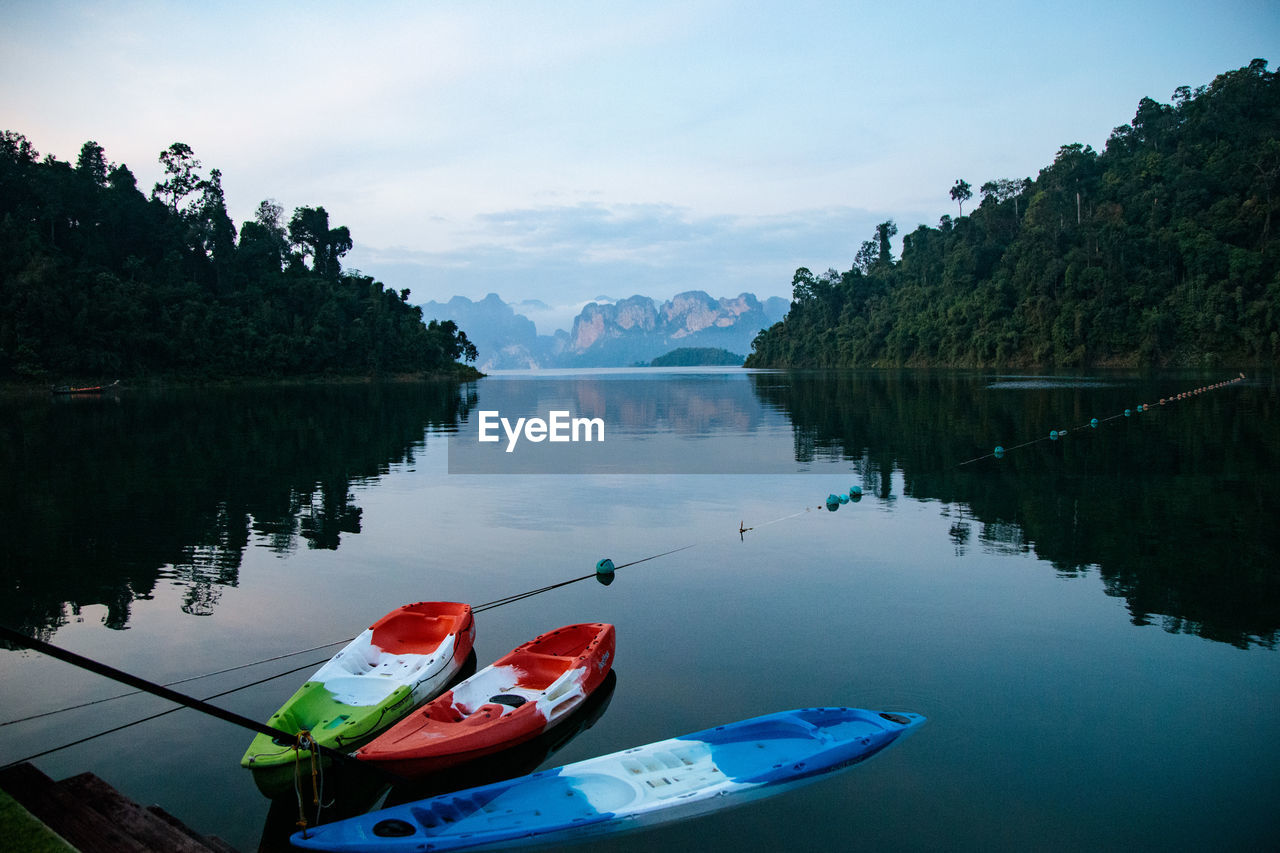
<point>604,572</point>
<point>1000,451</point>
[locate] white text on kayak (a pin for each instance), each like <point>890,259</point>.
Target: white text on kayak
<point>559,426</point>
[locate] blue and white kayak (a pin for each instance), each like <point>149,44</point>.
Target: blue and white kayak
<point>639,787</point>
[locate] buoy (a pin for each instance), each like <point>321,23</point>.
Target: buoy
<point>1053,435</point>
<point>1127,413</point>
<point>999,451</point>
<point>833,502</point>
<point>604,567</point>
<point>844,499</point>
<point>855,491</point>
<point>1094,423</point>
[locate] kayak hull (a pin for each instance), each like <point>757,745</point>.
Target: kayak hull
<point>517,698</point>
<point>657,783</point>
<point>403,659</point>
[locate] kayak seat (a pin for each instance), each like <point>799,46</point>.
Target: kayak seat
<point>539,671</point>
<point>360,690</point>
<point>407,632</point>
<point>370,661</point>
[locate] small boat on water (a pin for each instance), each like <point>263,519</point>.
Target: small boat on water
<point>518,697</point>
<point>403,659</point>
<point>82,389</point>
<point>644,786</point>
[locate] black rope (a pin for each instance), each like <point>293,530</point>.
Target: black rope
<point>179,681</point>
<point>111,672</point>
<point>156,716</point>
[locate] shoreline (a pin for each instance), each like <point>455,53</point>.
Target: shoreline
<point>37,387</point>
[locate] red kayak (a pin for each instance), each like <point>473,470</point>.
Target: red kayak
<point>517,698</point>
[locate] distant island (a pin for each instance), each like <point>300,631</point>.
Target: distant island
<point>698,357</point>
<point>99,281</point>
<point>1162,250</point>
<point>608,332</point>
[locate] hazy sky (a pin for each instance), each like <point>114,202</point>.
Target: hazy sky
<point>563,150</point>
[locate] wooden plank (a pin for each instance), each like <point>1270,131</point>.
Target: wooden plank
<point>143,825</point>
<point>213,841</point>
<point>85,829</point>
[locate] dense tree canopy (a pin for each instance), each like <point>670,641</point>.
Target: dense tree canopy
<point>97,280</point>
<point>1161,250</point>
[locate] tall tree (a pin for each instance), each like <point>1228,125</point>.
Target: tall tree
<point>961,193</point>
<point>270,215</point>
<point>867,257</point>
<point>264,242</point>
<point>217,234</point>
<point>1004,189</point>
<point>17,148</point>
<point>309,231</point>
<point>182,170</point>
<point>884,233</point>
<point>92,163</point>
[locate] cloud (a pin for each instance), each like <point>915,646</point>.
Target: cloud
<point>570,254</point>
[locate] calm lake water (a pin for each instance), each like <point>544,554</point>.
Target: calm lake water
<point>1089,624</point>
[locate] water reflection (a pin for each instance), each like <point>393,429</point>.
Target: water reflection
<point>1174,509</point>
<point>101,499</point>
<point>649,421</point>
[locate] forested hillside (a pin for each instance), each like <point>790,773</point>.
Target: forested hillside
<point>99,280</point>
<point>1160,250</point>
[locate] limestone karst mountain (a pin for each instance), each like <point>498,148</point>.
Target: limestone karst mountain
<point>608,333</point>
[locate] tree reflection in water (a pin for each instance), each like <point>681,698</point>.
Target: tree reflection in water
<point>1174,508</point>
<point>101,499</point>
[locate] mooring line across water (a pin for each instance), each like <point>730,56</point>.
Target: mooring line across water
<point>163,713</point>
<point>99,668</point>
<point>182,681</point>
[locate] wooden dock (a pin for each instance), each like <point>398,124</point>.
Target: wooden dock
<point>92,817</point>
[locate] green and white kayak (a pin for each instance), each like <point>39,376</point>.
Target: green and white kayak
<point>402,660</point>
